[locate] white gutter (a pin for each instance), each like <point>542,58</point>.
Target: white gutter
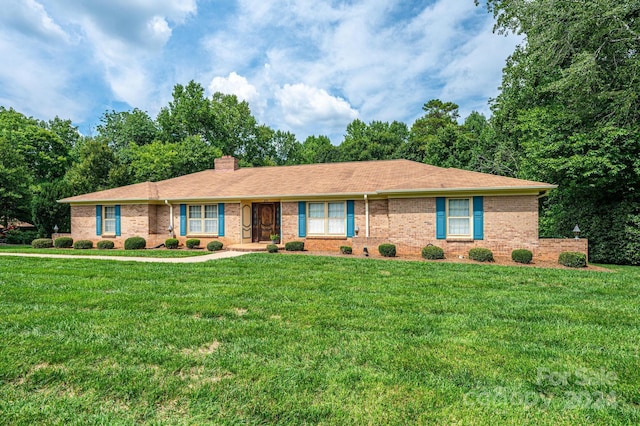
<point>173,230</point>
<point>366,215</point>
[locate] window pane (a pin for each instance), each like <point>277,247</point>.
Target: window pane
<point>337,226</point>
<point>316,226</point>
<point>211,226</point>
<point>109,226</point>
<point>336,210</point>
<point>195,226</point>
<point>316,210</point>
<point>458,208</point>
<point>211,212</point>
<point>459,227</point>
<point>110,212</point>
<point>195,212</point>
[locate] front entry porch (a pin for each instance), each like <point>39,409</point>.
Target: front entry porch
<point>260,221</point>
<point>252,247</point>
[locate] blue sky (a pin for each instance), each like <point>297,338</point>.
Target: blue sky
<point>306,66</point>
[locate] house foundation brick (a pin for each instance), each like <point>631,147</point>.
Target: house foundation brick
<point>509,222</point>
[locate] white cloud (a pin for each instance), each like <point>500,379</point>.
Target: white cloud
<point>303,65</point>
<point>35,85</point>
<point>29,18</point>
<point>237,85</point>
<point>304,106</point>
<point>472,75</point>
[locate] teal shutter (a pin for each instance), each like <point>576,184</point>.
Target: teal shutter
<point>302,219</point>
<point>117,220</point>
<point>441,218</point>
<point>98,220</point>
<point>220,219</point>
<point>350,219</point>
<point>183,220</point>
<point>478,218</point>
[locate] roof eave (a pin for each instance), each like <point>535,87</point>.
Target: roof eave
<point>506,190</point>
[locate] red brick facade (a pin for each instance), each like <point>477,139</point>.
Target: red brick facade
<point>510,222</point>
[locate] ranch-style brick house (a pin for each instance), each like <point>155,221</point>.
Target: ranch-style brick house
<point>361,204</point>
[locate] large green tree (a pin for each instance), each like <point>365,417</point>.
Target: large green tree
<point>15,193</point>
<point>437,138</point>
<point>319,149</point>
<point>96,168</point>
<point>570,108</point>
<point>377,140</point>
<point>120,129</point>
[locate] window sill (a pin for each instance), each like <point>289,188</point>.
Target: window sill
<point>201,235</point>
<point>326,237</point>
<point>460,239</point>
<point>108,235</point>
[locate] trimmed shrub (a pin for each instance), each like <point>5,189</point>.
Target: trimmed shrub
<point>387,250</point>
<point>214,246</point>
<point>63,242</point>
<point>135,243</point>
<point>83,245</point>
<point>294,246</point>
<point>193,242</point>
<point>481,254</point>
<point>42,243</point>
<point>573,259</point>
<point>522,256</point>
<point>272,248</point>
<point>171,243</point>
<point>18,236</point>
<point>432,252</point>
<point>346,249</point>
<point>105,245</point>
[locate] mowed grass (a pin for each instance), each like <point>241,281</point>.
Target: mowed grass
<point>162,253</point>
<point>286,339</point>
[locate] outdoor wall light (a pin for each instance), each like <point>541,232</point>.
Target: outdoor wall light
<point>170,229</point>
<point>576,232</point>
<point>357,230</point>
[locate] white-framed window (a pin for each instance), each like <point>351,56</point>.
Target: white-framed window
<point>459,218</point>
<point>203,219</point>
<point>109,220</point>
<point>327,218</point>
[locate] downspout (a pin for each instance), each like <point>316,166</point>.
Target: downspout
<point>366,215</point>
<point>173,234</point>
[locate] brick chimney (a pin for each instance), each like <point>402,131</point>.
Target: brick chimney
<point>226,163</point>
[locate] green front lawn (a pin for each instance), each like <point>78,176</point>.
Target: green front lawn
<point>264,339</point>
<point>114,252</point>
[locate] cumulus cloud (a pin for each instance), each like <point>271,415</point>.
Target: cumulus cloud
<point>127,37</point>
<point>237,85</point>
<point>303,106</point>
<point>302,65</point>
<point>386,57</point>
<point>29,18</point>
<point>472,75</point>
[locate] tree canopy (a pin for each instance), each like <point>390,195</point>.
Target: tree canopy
<point>567,113</point>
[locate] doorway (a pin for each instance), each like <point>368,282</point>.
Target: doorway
<point>266,221</point>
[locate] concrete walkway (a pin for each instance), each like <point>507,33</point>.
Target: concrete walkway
<point>191,259</point>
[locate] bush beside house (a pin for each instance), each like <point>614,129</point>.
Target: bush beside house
<point>135,243</point>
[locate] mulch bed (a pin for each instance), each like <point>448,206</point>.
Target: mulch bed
<point>503,261</point>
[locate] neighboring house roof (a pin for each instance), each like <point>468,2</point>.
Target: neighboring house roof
<point>18,224</point>
<point>383,178</point>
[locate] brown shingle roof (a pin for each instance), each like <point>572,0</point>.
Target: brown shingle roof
<point>351,178</point>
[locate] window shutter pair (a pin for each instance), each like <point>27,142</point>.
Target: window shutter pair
<point>99,220</point>
<point>302,219</point>
<point>183,220</point>
<point>478,218</point>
